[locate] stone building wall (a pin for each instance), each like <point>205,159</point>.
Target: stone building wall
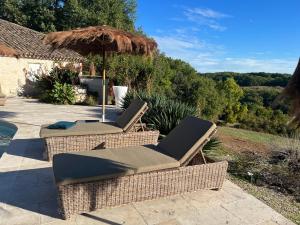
<point>15,74</point>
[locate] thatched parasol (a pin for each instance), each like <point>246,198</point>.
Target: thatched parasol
<point>7,51</point>
<point>101,40</point>
<point>292,91</point>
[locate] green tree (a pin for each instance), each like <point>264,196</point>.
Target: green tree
<point>132,71</point>
<point>81,13</point>
<point>232,93</point>
<point>52,15</point>
<point>37,15</point>
<point>210,101</point>
<point>11,10</point>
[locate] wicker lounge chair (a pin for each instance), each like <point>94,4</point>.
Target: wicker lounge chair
<point>126,131</point>
<point>91,180</point>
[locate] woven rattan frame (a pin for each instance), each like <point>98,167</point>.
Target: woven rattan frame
<point>86,197</point>
<point>136,134</point>
<point>56,145</point>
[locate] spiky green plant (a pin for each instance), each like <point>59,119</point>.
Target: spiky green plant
<point>163,114</point>
<point>212,144</point>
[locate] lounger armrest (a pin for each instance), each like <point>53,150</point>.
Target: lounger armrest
<point>139,127</point>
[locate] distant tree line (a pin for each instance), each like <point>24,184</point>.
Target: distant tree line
<point>252,79</point>
<point>222,100</point>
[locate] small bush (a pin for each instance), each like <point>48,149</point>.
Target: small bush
<point>57,87</point>
<point>247,165</point>
<point>163,114</point>
<point>287,151</point>
<point>60,94</point>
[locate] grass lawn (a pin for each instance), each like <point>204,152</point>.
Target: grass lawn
<point>235,142</point>
<point>249,135</point>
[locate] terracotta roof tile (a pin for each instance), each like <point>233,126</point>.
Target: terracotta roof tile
<point>28,43</point>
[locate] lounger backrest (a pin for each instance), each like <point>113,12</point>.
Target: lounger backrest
<point>184,141</point>
<point>132,114</point>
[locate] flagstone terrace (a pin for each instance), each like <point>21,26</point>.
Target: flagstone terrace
<point>28,194</point>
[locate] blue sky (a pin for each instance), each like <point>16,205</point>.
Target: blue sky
<point>226,35</point>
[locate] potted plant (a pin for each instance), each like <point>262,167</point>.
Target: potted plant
<point>2,98</point>
<point>119,93</point>
<point>119,88</point>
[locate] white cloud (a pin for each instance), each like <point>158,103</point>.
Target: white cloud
<point>217,27</point>
<point>173,44</point>
<point>209,13</point>
<point>184,43</point>
<point>205,17</point>
<point>206,57</point>
<point>190,49</point>
<point>257,65</point>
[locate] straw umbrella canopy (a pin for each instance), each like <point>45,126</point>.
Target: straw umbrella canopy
<point>292,91</point>
<point>101,40</point>
<point>7,51</point>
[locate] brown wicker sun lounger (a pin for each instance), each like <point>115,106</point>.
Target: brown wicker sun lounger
<point>126,131</point>
<point>91,180</point>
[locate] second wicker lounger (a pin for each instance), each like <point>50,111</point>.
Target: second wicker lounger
<point>126,131</point>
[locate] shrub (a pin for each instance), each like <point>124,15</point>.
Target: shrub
<point>57,87</point>
<point>247,166</point>
<point>59,75</point>
<point>60,94</point>
<point>288,150</point>
<point>163,114</point>
<point>199,91</point>
<point>263,119</point>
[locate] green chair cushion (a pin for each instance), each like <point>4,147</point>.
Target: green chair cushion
<point>62,125</point>
<point>185,139</point>
<point>97,165</point>
<point>81,129</point>
<point>131,114</point>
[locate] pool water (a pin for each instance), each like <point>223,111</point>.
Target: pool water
<point>7,132</point>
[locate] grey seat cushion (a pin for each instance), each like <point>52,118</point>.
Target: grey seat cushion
<point>131,114</point>
<point>184,140</point>
<point>90,166</point>
<point>81,129</point>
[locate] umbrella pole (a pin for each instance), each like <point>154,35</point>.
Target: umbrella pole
<point>103,86</point>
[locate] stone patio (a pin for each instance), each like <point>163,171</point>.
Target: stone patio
<point>28,194</point>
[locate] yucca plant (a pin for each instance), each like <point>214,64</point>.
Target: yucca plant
<point>212,144</point>
<point>163,114</point>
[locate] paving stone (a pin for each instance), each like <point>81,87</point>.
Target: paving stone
<point>169,222</point>
<point>21,220</point>
<point>252,211</point>
<point>125,214</point>
<point>175,207</point>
